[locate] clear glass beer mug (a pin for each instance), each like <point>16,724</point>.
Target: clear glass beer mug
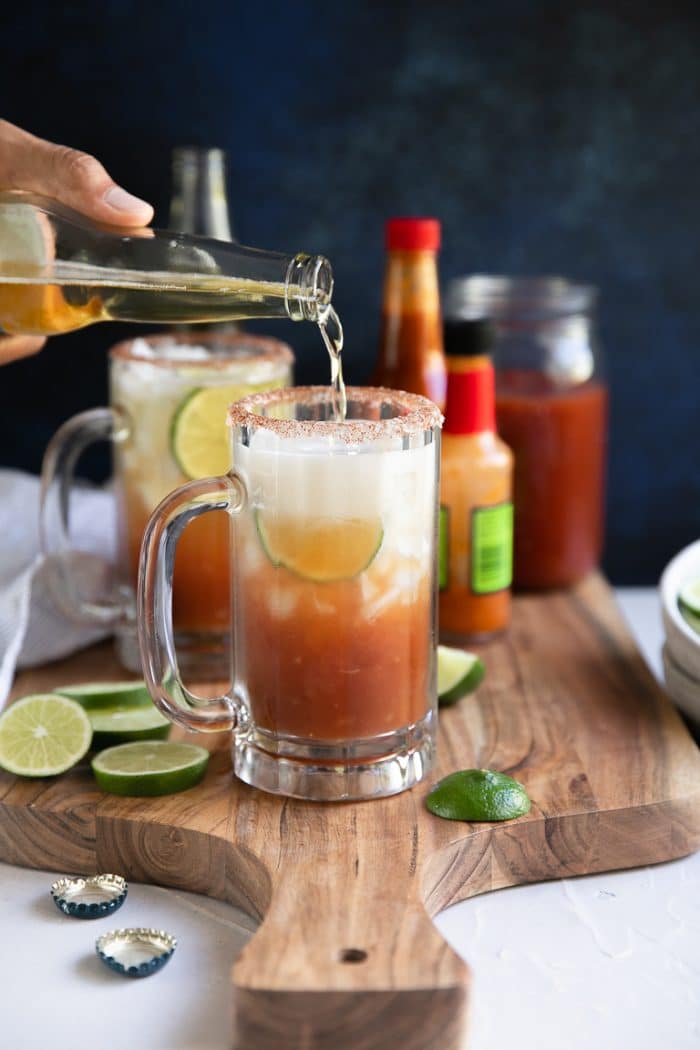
<point>333,647</point>
<point>166,422</point>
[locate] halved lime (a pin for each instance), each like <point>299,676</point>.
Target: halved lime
<point>118,725</point>
<point>689,596</point>
<point>150,767</point>
<point>478,794</point>
<point>42,735</point>
<point>199,437</point>
<point>320,549</point>
<point>93,695</point>
<point>458,673</point>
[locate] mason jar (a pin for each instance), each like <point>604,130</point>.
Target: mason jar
<point>552,410</point>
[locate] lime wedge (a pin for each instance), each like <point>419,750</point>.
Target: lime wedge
<point>118,725</point>
<point>689,596</point>
<point>149,767</point>
<point>43,735</point>
<point>478,794</point>
<point>199,438</point>
<point>94,695</point>
<point>320,549</point>
<point>458,673</point>
<point>691,618</point>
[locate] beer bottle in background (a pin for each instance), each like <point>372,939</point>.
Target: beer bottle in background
<point>199,202</point>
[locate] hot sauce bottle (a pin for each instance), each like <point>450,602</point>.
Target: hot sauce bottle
<point>410,346</point>
<point>476,512</point>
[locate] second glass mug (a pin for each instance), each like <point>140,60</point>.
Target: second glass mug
<point>152,380</point>
<point>333,529</point>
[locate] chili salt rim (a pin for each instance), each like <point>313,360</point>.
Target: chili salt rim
<point>224,347</point>
<point>419,414</point>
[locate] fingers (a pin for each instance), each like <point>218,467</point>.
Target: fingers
<point>12,347</point>
<point>67,175</point>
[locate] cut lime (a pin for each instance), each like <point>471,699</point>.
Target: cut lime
<point>691,618</point>
<point>689,596</point>
<point>93,695</point>
<point>149,767</point>
<point>43,735</point>
<point>478,794</point>
<point>320,549</point>
<point>458,673</point>
<point>118,725</point>
<point>199,437</point>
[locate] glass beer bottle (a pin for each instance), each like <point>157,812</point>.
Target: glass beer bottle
<point>59,271</point>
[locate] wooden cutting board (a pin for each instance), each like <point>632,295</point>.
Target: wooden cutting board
<point>346,955</point>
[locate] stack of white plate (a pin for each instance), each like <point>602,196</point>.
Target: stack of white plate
<point>681,653</point>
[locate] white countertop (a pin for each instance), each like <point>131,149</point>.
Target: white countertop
<point>605,961</point>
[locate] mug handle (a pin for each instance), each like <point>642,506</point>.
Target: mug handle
<point>155,602</point>
<point>57,479</point>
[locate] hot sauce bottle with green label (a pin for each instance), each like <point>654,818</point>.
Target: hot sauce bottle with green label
<point>476,512</point>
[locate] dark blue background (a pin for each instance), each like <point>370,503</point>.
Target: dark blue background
<point>548,137</point>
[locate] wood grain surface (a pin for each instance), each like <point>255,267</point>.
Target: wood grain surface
<point>346,955</point>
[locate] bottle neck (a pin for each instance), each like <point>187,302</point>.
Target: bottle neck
<point>411,283</point>
<point>199,203</point>
<point>470,407</point>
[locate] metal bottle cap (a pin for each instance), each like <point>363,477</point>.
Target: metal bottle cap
<point>136,952</point>
<point>90,897</point>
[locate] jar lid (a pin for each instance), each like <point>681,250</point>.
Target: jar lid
<point>523,298</point>
<point>90,897</point>
<point>135,952</point>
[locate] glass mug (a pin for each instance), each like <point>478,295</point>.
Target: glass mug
<point>333,648</point>
<point>552,410</point>
<point>161,389</point>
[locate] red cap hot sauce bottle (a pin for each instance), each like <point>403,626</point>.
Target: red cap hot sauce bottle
<point>410,345</point>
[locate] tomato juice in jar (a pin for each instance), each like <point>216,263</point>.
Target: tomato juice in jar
<point>552,410</point>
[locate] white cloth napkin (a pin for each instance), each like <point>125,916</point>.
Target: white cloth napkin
<point>33,630</point>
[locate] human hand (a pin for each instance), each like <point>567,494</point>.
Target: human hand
<point>67,175</point>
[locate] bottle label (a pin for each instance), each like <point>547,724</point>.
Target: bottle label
<point>444,548</point>
<point>491,548</point>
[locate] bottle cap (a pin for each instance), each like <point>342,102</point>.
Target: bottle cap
<point>468,337</point>
<point>91,897</point>
<point>412,235</point>
<point>136,952</point>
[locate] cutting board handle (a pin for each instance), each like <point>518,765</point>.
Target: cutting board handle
<point>360,944</point>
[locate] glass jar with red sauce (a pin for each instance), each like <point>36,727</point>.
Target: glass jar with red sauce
<point>552,410</point>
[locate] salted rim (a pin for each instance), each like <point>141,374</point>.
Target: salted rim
<point>419,414</point>
<point>226,348</point>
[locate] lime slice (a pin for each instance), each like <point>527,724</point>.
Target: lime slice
<point>689,596</point>
<point>320,549</point>
<point>149,767</point>
<point>94,695</point>
<point>43,735</point>
<point>478,794</point>
<point>199,438</point>
<point>458,673</point>
<point>117,725</point>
